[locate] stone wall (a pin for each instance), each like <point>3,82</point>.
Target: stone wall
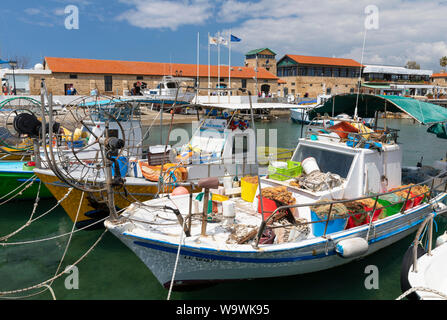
<point>84,83</point>
<point>315,86</point>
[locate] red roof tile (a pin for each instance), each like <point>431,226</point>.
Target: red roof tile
<point>70,65</point>
<point>324,61</point>
<point>439,75</point>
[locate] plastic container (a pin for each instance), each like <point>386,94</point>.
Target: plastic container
<point>123,165</point>
<point>228,182</point>
<point>360,219</point>
<point>268,205</point>
<point>335,225</point>
<point>248,190</point>
<point>310,165</point>
<point>343,128</point>
<point>390,209</point>
<point>293,170</point>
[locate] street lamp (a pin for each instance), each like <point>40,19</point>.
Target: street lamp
<point>13,65</point>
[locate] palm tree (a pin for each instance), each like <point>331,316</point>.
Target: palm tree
<point>443,62</point>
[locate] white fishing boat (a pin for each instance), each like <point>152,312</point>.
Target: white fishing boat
<point>300,114</point>
<point>169,89</point>
<point>424,268</point>
<point>424,272</point>
<point>214,144</point>
<point>310,225</point>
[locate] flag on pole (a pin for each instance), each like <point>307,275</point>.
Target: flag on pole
<point>235,39</point>
<point>223,41</point>
<point>212,40</point>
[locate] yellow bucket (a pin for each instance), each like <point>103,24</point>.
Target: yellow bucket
<point>248,189</point>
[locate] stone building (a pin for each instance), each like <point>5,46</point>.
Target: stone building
<point>394,80</point>
<point>439,79</point>
<point>113,77</point>
<point>311,76</point>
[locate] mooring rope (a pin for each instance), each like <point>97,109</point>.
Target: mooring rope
<point>44,283</point>
<point>5,238</point>
<point>176,260</point>
<point>21,191</point>
<point>411,290</point>
<point>30,218</point>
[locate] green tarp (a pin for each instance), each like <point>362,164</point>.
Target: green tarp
<point>423,112</point>
<point>440,129</point>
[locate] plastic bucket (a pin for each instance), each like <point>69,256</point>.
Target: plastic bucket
<point>248,190</point>
<point>333,225</point>
<point>310,165</point>
<point>268,205</point>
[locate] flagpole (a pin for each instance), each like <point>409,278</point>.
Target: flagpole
<point>218,67</point>
<point>209,85</point>
<point>198,57</point>
<point>229,62</point>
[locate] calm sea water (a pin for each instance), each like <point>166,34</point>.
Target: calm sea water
<point>112,271</point>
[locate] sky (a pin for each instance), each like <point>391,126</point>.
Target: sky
<point>167,31</point>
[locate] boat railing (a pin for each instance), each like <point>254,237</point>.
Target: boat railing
<point>436,184</point>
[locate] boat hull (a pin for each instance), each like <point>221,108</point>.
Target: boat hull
<point>201,265</point>
<point>89,212</point>
<point>12,178</point>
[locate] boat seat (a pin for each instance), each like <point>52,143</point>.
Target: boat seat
<point>209,183</point>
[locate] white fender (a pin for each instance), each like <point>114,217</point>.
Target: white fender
<point>351,248</point>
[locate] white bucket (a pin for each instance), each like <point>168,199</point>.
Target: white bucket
<point>310,165</point>
<point>228,212</point>
<point>228,182</point>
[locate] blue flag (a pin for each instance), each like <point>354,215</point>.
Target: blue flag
<point>235,39</point>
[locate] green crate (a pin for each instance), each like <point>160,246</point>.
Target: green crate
<point>293,170</point>
<point>391,209</point>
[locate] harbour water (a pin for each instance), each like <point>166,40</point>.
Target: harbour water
<point>112,271</point>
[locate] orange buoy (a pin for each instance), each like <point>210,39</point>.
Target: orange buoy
<point>179,190</point>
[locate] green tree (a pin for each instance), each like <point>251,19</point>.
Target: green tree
<point>412,65</point>
<point>443,61</point>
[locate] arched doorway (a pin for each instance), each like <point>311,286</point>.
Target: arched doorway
<point>265,88</point>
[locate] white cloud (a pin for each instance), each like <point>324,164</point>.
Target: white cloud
<point>32,11</point>
<point>408,30</point>
<point>159,14</point>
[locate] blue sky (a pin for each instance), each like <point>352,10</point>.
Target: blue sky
<point>164,31</point>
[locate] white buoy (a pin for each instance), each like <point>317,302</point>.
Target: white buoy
<point>352,248</point>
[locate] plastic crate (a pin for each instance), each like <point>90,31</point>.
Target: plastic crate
<point>294,169</point>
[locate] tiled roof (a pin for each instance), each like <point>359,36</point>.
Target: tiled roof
<point>90,66</point>
<point>255,51</point>
<point>324,61</point>
<point>439,75</point>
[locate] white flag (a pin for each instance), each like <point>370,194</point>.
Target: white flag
<point>212,40</point>
<point>223,41</point>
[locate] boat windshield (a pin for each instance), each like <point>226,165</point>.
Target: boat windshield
<point>171,85</point>
<point>327,160</point>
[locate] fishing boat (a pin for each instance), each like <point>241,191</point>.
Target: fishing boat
<point>17,179</point>
<point>349,202</point>
<point>168,91</point>
<point>300,114</point>
<point>213,145</point>
<point>423,272</point>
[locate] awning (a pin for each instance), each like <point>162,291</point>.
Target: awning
<point>423,112</point>
<point>376,86</point>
